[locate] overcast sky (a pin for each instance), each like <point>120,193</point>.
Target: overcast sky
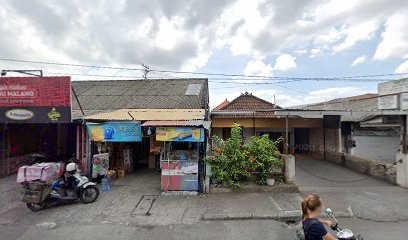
<point>269,38</point>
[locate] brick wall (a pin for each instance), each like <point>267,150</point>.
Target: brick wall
<point>375,168</point>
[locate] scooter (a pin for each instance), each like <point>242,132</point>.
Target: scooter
<point>84,190</point>
<point>342,234</point>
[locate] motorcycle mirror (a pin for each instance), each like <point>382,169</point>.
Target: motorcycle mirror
<point>329,212</point>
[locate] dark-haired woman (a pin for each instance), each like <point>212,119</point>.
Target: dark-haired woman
<point>313,226</point>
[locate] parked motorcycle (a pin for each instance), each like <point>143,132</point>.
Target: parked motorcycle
<point>342,234</point>
<point>41,195</point>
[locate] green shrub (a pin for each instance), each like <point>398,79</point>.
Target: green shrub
<point>232,160</point>
<point>266,157</point>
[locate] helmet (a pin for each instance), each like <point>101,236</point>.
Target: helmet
<point>71,167</point>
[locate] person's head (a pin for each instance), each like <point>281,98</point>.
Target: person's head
<point>311,205</point>
<point>71,168</point>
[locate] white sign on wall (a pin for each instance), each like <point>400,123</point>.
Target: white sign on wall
<point>404,101</point>
<point>397,86</point>
<point>388,102</point>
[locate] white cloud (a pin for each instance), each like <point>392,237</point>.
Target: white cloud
<point>258,68</point>
<point>403,68</point>
<point>359,60</point>
<point>394,38</point>
<point>285,62</point>
<point>354,34</point>
<point>182,35</point>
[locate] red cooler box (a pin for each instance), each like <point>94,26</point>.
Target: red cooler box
<point>170,176</point>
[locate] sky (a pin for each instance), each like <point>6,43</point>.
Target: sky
<point>272,39</point>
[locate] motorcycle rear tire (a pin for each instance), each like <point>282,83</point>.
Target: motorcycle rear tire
<point>35,207</point>
<point>84,198</point>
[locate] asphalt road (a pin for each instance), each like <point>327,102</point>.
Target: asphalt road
<point>252,229</point>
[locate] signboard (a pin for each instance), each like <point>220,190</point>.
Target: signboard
<point>388,102</point>
<point>397,86</point>
<point>115,131</point>
<point>35,99</point>
<point>404,101</point>
<point>179,134</point>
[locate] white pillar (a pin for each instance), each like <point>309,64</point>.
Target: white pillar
<point>402,155</point>
<point>402,169</point>
<point>290,168</point>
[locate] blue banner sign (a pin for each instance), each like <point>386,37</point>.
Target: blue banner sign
<point>115,131</point>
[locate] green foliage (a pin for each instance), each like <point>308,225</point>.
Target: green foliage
<point>266,155</point>
<point>232,160</point>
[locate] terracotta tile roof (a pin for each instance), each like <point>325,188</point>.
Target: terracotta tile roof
<point>247,103</point>
<point>221,105</point>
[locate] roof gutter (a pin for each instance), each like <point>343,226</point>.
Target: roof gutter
<point>288,112</point>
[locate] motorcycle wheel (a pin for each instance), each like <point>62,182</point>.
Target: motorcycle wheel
<point>89,194</point>
<point>35,207</point>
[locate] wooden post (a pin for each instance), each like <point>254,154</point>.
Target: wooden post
<point>87,155</point>
<point>8,150</point>
<point>253,124</point>
<point>83,145</point>
<point>403,136</point>
<point>287,136</point>
<point>78,142</point>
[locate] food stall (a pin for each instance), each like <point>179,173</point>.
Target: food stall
<point>181,157</point>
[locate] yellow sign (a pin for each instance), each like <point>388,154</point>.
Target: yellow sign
<point>54,115</point>
<point>179,134</point>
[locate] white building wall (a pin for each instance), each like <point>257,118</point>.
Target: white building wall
<point>382,148</point>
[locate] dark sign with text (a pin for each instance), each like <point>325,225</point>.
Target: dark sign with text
<point>35,99</point>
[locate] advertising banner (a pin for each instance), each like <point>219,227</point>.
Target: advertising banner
<point>115,131</point>
<point>35,99</point>
<point>179,134</point>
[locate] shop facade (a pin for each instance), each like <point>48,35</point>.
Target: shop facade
<point>35,121</point>
<point>174,150</point>
<point>182,155</point>
<point>154,106</point>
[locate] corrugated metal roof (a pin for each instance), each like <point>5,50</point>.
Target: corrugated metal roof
<point>150,114</point>
<point>112,95</point>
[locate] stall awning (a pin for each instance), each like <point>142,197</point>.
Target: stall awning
<point>191,123</point>
<point>150,114</point>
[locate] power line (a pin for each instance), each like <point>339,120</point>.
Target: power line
<point>220,80</point>
<point>199,73</point>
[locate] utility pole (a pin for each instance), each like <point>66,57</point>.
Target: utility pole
<point>146,70</point>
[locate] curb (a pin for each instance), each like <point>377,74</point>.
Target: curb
<point>279,216</point>
<point>278,188</point>
<point>282,216</point>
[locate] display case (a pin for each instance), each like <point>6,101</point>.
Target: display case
<point>180,166</point>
